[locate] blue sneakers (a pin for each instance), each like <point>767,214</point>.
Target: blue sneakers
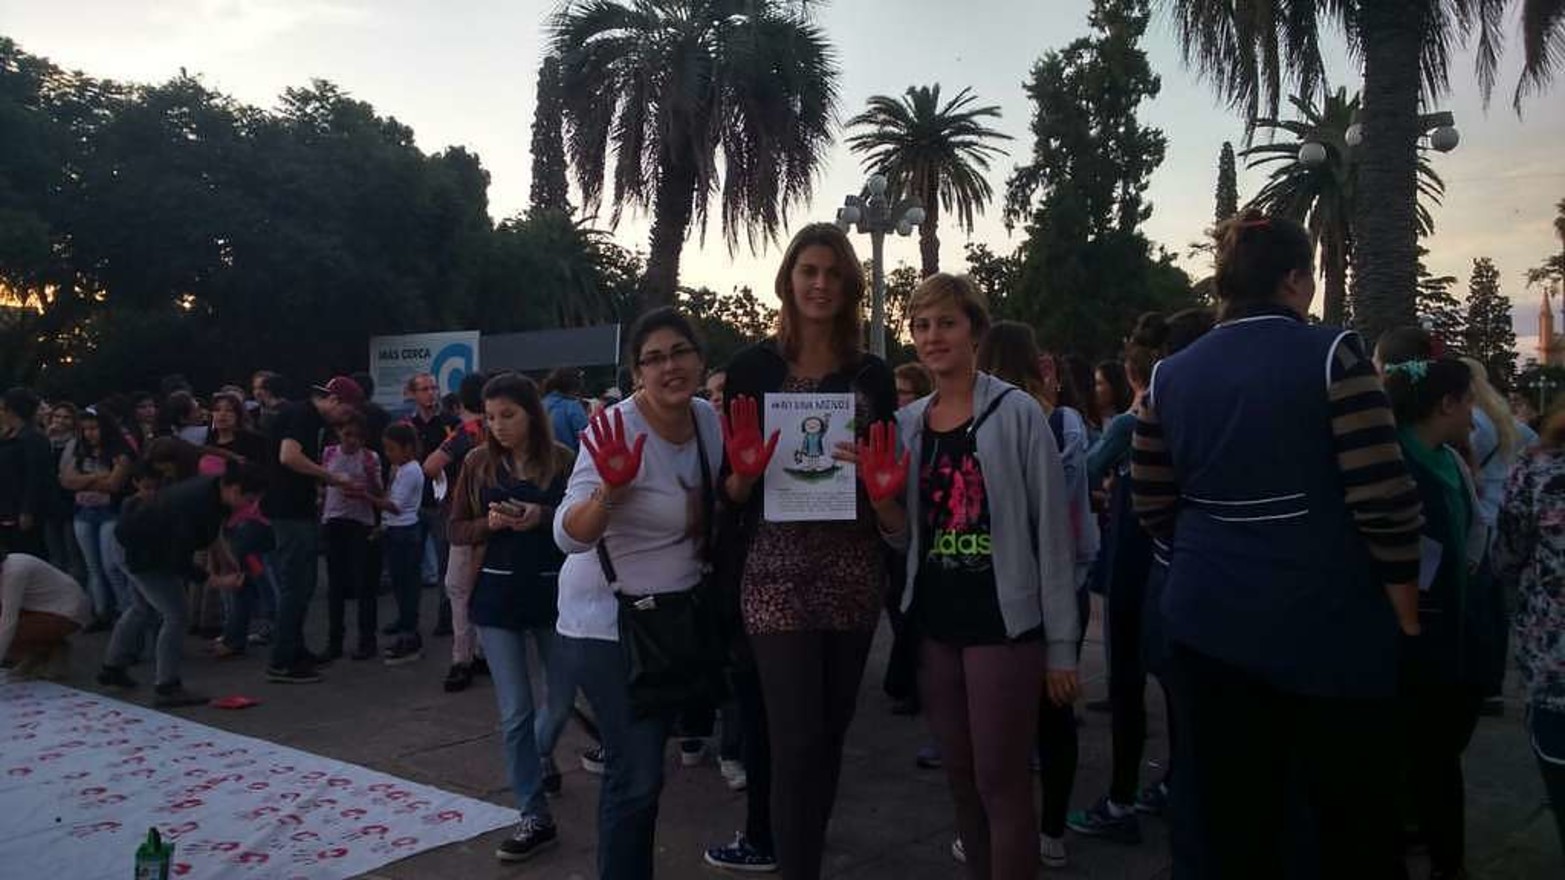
<point>741,856</point>
<point>1106,821</point>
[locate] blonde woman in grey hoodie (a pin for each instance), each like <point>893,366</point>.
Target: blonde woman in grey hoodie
<point>990,574</point>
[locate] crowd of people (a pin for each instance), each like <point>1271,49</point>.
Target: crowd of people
<point>1318,549</point>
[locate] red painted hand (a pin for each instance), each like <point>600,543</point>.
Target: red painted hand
<point>884,474</point>
<point>747,455</point>
<point>618,463</point>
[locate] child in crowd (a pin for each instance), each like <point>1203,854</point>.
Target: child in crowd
<point>403,539</point>
<point>347,518</point>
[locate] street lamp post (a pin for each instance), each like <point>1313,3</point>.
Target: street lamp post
<point>1440,127</point>
<point>877,215</point>
<point>1543,384</point>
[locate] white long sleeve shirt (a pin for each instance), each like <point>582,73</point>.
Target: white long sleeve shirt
<point>28,583</point>
<point>407,490</point>
<point>649,533</point>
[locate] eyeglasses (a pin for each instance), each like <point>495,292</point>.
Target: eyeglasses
<point>657,359</point>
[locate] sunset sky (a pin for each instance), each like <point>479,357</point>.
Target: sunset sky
<point>463,73</point>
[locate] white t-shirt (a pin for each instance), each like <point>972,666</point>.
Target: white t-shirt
<point>648,537</point>
<point>407,490</point>
<point>28,583</point>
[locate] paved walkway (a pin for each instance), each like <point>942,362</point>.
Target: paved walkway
<point>892,820</point>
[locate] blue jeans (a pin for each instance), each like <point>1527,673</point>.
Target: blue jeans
<point>522,728</point>
<point>633,779</point>
<point>101,554</point>
<point>154,591</point>
<point>404,546</point>
<point>298,551</point>
<point>239,605</point>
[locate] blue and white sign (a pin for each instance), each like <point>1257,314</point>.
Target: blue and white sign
<point>395,359</point>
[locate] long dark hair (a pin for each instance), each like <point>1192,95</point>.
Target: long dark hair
<point>1114,374</point>
<point>1009,351</point>
<point>111,443</point>
<point>542,458</point>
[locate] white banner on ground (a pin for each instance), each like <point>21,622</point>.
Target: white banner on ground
<point>82,778</point>
<point>395,359</point>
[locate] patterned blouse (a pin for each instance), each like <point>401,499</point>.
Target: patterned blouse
<point>804,576</point>
<point>1531,554</point>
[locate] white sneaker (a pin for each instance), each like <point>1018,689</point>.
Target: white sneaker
<point>958,851</point>
<point>733,773</point>
<point>1051,851</point>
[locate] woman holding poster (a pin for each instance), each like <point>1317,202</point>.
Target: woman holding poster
<point>990,575</point>
<point>810,591</point>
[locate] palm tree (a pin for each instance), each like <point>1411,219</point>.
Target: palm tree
<point>936,153</point>
<point>1259,50</point>
<point>1321,196</point>
<point>667,85</point>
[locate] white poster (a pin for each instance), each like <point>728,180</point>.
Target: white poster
<point>395,359</point>
<point>803,481</point>
<point>83,776</point>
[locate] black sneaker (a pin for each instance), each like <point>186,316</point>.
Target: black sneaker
<point>481,667</point>
<point>552,783</point>
<point>532,836</point>
<point>174,696</point>
<point>300,674</point>
<point>1107,821</point>
<point>594,760</point>
<point>458,678</point>
<point>403,652</point>
<point>1153,799</point>
<point>116,677</point>
<point>741,856</point>
<point>928,758</point>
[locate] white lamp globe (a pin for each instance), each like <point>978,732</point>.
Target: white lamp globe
<point>1312,154</point>
<point>915,215</point>
<point>1354,135</point>
<point>1445,138</point>
<point>877,185</point>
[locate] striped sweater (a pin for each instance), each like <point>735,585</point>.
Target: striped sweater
<point>1378,490</point>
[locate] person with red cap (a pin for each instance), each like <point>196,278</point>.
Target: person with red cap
<point>290,504</point>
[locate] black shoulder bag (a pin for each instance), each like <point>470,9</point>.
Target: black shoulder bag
<point>672,660</point>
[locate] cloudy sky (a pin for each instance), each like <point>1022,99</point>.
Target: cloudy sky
<point>463,73</point>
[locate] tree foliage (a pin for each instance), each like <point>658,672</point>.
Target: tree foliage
<point>1490,337</point>
<point>727,323</point>
<point>1227,200</point>
<point>1553,266</point>
<point>938,153</point>
<point>1086,269</point>
<point>1438,307</point>
<point>550,189</point>
<point>159,228</point>
<point>694,99</point>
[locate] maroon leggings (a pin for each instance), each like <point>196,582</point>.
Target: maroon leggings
<point>980,705</point>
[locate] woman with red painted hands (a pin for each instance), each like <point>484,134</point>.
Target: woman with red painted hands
<point>990,559</point>
<point>810,593</point>
<point>634,523</point>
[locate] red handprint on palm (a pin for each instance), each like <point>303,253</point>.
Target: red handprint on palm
<point>618,463</point>
<point>882,472</point>
<point>747,455</point>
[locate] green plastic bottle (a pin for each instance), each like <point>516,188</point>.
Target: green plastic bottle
<point>154,857</point>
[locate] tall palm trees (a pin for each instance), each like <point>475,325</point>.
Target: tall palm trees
<point>1322,195</point>
<point>1256,51</point>
<point>667,85</point>
<point>933,151</point>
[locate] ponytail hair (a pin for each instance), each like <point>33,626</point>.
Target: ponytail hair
<point>1255,254</point>
<point>1418,387</point>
